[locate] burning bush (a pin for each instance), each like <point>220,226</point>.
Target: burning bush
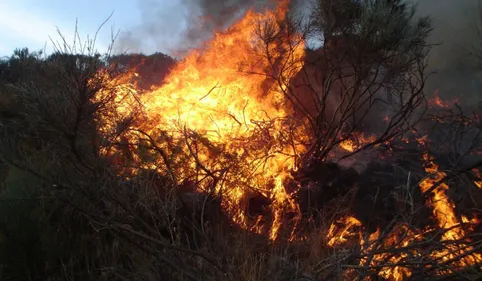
<point>256,155</point>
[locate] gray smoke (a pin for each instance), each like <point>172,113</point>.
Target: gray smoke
<point>160,29</point>
<point>216,15</point>
<point>176,26</point>
<point>456,24</point>
<point>183,24</point>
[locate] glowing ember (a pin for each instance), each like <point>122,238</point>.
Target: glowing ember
<point>438,102</point>
<point>357,141</point>
<point>479,181</point>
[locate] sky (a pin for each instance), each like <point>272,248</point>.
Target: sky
<point>166,26</point>
<point>29,23</point>
<point>170,27</point>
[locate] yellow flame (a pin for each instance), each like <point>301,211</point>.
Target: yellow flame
<point>339,235</point>
<point>356,141</point>
<point>444,212</point>
<point>232,122</point>
<point>478,182</point>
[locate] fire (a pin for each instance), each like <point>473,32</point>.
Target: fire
<point>444,212</point>
<point>401,237</point>
<point>443,208</point>
<point>283,204</point>
<point>478,182</point>
<point>348,145</point>
<point>233,125</point>
<point>236,133</point>
<point>423,140</point>
<point>339,235</point>
<point>438,102</point>
<point>390,251</point>
<point>356,141</point>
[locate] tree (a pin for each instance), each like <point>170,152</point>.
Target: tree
<point>369,74</point>
<point>152,69</point>
<point>20,65</point>
<point>67,136</point>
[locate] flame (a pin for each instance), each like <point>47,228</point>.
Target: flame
<point>234,125</point>
<point>119,98</point>
<point>438,102</point>
<point>399,238</point>
<point>348,145</point>
<point>282,204</point>
<point>443,208</point>
<point>444,212</point>
<point>388,252</point>
<point>232,128</point>
<point>478,182</point>
<point>340,235</point>
<point>356,141</point>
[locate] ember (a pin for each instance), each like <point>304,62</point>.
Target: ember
<point>437,101</point>
<point>478,181</point>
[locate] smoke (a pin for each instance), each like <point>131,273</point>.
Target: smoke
<point>454,61</point>
<point>174,27</point>
<point>213,15</point>
<point>178,26</point>
<point>160,29</point>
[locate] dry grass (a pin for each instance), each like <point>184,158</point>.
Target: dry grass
<point>78,218</point>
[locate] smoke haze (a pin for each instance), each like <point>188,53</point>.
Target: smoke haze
<point>454,61</point>
<point>183,24</point>
<point>180,25</point>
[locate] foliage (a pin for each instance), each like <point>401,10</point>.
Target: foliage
<point>152,69</point>
<point>368,76</point>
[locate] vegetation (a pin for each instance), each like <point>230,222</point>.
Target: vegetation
<point>70,211</point>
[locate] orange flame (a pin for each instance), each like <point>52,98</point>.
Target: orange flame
<point>381,252</point>
<point>232,125</point>
<point>339,235</point>
<point>224,116</point>
<point>399,238</point>
<point>438,102</point>
<point>478,182</point>
<point>356,141</point>
<point>443,208</point>
<point>444,212</point>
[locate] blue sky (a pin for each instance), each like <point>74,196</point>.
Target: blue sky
<point>29,23</point>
